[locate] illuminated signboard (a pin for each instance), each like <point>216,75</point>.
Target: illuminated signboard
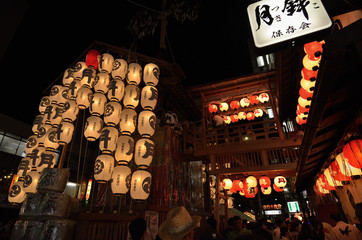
<point>293,206</point>
<point>275,21</point>
<point>272,212</point>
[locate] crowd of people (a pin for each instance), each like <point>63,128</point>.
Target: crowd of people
<point>180,225</point>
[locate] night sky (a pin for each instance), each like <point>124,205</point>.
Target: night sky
<point>50,37</point>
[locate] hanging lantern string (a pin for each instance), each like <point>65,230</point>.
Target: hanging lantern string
<point>80,148</point>
<point>245,95</point>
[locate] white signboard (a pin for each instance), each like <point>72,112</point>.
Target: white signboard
<point>293,206</point>
<point>273,212</point>
<point>274,21</point>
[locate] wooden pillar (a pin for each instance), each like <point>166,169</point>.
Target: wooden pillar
<point>264,157</point>
<point>276,115</point>
<point>217,203</point>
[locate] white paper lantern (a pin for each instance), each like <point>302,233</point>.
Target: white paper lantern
<point>102,82</point>
<point>121,180</point>
<point>251,181</point>
<point>49,113</point>
<point>227,183</point>
<point>108,139</point>
<point>120,69</point>
<point>258,112</point>
<point>112,113</point>
<point>244,102</point>
<point>103,168</point>
<point>42,133</point>
<point>65,132</point>
<point>84,97</point>
<point>97,104</point>
<point>266,191</point>
<point>105,62</point>
<point>54,92</point>
<point>149,97</point>
<point>263,97</point>
<point>88,77</point>
<point>63,95</point>
<point>116,90</point>
<point>70,111</point>
<point>345,167</point>
<point>17,194</point>
<point>30,182</point>
<point>47,160</point>
<point>242,115</point>
<point>131,96</point>
<point>134,74</point>
<point>31,144</point>
<point>280,181</point>
<point>146,123</point>
<point>68,76</point>
<point>304,102</point>
<point>73,89</point>
<point>37,123</point>
<point>56,115</point>
<point>331,181</point>
<point>93,128</point>
<point>51,140</point>
<point>35,156</point>
<point>151,74</point>
<point>125,148</point>
<point>128,121</point>
<point>24,167</point>
<point>44,102</point>
<point>224,106</point>
<point>140,185</point>
<point>144,152</point>
<point>78,70</point>
<point>307,84</point>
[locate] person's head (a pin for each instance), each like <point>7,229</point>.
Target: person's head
<point>283,231</point>
<point>237,223</point>
<point>178,225</point>
<point>211,222</point>
<point>278,222</point>
<point>231,222</point>
<point>137,228</point>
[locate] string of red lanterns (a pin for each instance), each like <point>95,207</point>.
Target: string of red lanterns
<point>313,53</point>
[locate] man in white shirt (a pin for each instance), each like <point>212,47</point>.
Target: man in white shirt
<point>345,231</point>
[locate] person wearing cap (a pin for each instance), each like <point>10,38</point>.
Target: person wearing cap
<point>178,225</point>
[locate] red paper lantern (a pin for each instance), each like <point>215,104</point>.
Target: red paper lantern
<point>250,116</point>
<point>309,74</point>
<point>250,192</point>
<point>336,172</point>
<point>264,182</point>
<point>92,58</point>
<point>236,186</point>
<point>353,152</point>
<point>305,93</point>
<point>254,99</point>
<point>234,105</point>
<point>212,108</point>
<point>301,109</point>
<point>324,183</point>
<point>234,118</point>
<point>301,121</point>
<point>314,50</point>
<point>277,189</point>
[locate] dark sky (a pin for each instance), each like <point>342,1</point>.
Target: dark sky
<point>50,37</point>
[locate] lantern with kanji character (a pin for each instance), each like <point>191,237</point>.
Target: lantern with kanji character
<point>250,192</point>
<point>105,63</point>
<point>124,149</point>
<point>120,69</point>
<point>277,189</point>
<point>258,112</point>
<point>151,74</point>
<point>97,104</point>
<point>102,81</point>
<point>65,132</point>
<point>121,180</point>
<point>244,102</point>
<point>242,115</point>
<point>264,181</point>
<point>68,76</point>
<point>346,168</point>
<point>31,144</point>
<point>140,185</point>
<point>149,96</point>
<point>336,173</point>
<point>254,99</point>
<point>51,139</point>
<point>234,105</point>
<point>24,167</point>
<point>54,92</point>
<point>88,77</point>
<point>108,139</point>
<point>41,134</point>
<point>266,190</point>
<point>250,116</point>
<point>280,181</point>
<point>78,70</point>
<point>84,97</point>
<point>223,107</point>
<point>30,181</point>
<point>44,102</point>
<point>353,152</point>
<point>16,194</point>
<point>70,111</point>
<point>112,113</point>
<point>134,74</point>
<point>144,152</point>
<point>325,183</point>
<point>227,183</point>
<point>146,123</point>
<point>46,160</point>
<point>93,128</point>
<point>116,90</point>
<point>263,97</point>
<point>131,96</point>
<point>92,58</point>
<point>38,121</point>
<point>103,168</point>
<point>212,108</point>
<point>227,119</point>
<point>237,185</point>
<point>331,181</point>
<point>128,121</point>
<point>55,115</point>
<point>73,89</point>
<point>234,118</point>
<point>251,181</point>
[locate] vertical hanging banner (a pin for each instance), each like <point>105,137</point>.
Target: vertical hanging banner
<point>275,21</point>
